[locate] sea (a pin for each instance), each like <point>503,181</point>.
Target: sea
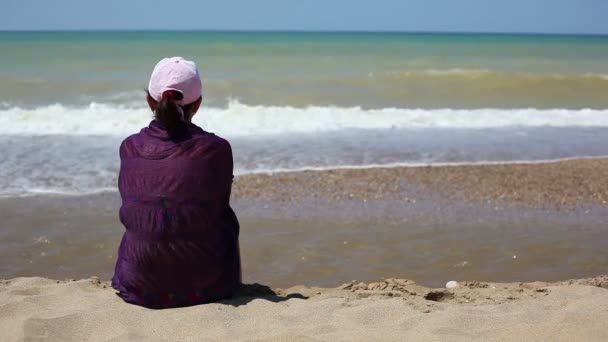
<point>290,101</point>
<point>301,100</point>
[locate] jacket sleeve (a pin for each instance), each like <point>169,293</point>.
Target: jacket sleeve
<point>226,172</point>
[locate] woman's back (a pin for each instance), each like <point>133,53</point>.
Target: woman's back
<point>181,241</point>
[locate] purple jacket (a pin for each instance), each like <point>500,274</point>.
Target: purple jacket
<point>181,241</point>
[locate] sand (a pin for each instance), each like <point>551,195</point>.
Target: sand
<point>394,309</point>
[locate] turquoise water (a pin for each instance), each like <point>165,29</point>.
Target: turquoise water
<point>374,70</point>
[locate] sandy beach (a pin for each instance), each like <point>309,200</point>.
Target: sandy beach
<point>391,310</point>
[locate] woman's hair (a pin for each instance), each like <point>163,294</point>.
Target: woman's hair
<point>169,113</point>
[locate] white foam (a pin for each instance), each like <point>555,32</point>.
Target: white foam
<point>245,120</point>
<point>459,71</point>
<point>34,191</point>
<point>489,72</point>
<point>413,165</point>
<point>594,75</point>
<point>440,72</point>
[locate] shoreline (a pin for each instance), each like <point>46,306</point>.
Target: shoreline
<point>391,309</point>
<point>271,172</point>
<point>577,179</point>
<point>563,183</point>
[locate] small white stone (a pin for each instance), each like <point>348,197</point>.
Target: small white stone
<point>451,284</point>
<point>515,257</point>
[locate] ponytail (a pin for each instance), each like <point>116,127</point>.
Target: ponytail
<point>168,112</point>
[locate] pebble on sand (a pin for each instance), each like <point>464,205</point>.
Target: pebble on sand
<point>451,284</point>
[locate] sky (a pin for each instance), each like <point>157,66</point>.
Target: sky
<point>534,16</point>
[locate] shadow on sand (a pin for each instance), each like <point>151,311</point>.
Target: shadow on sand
<point>250,292</point>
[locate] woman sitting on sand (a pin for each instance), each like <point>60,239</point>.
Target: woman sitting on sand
<point>181,242</point>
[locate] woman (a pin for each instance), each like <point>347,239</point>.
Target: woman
<point>181,242</point>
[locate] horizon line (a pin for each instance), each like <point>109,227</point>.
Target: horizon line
<point>421,32</point>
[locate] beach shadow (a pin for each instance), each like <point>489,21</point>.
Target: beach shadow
<point>248,292</point>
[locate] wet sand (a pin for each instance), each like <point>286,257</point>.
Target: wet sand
<point>322,228</point>
<point>564,184</point>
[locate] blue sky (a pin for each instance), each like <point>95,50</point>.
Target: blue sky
<point>544,16</point>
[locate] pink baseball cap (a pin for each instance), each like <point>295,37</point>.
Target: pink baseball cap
<point>177,74</point>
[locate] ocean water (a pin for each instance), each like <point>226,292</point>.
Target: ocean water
<point>296,100</point>
<point>292,101</point>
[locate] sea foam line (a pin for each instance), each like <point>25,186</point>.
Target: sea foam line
<point>415,165</point>
<point>239,119</point>
<point>33,192</point>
